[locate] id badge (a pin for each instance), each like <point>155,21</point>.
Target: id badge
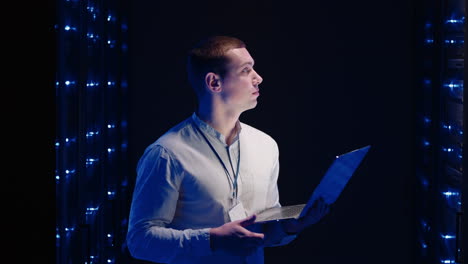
<point>237,212</point>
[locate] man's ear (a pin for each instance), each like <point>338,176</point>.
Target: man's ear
<point>213,82</point>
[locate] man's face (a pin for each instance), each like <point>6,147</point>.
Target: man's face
<point>240,84</point>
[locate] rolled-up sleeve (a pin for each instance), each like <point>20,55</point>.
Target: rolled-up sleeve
<point>152,210</point>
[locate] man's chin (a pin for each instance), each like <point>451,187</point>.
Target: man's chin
<point>250,106</point>
<point>253,105</point>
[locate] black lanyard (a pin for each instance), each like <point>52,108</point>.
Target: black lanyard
<point>234,182</point>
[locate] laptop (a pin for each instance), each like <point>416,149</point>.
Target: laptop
<point>330,187</point>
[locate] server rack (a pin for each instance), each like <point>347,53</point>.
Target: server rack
<point>91,175</point>
<point>440,132</point>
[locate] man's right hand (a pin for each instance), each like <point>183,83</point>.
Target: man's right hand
<point>233,238</point>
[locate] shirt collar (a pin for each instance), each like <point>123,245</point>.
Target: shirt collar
<point>213,132</point>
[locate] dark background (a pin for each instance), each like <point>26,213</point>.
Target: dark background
<point>338,75</point>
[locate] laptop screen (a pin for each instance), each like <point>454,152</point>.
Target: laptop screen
<point>337,176</point>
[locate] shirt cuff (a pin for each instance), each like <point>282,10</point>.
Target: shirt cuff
<point>200,242</point>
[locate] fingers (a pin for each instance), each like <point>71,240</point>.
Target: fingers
<point>253,235</point>
<point>234,238</point>
<point>320,201</point>
<point>322,205</point>
<point>247,221</point>
<point>319,209</point>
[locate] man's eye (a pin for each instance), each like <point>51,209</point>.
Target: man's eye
<point>247,70</point>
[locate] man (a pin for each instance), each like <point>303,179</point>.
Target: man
<point>200,185</point>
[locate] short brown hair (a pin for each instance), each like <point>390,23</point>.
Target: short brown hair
<point>209,55</point>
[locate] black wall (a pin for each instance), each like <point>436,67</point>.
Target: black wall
<point>338,75</point>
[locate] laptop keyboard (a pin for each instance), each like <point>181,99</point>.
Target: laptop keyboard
<point>278,213</point>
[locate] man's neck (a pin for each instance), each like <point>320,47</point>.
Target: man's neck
<point>222,121</point>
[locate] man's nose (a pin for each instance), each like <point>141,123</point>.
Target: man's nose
<point>258,78</point>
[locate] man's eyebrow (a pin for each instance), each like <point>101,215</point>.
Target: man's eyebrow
<point>251,63</point>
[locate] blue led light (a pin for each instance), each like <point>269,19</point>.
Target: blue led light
<point>68,28</point>
<point>111,193</point>
<point>429,41</point>
<point>454,41</point>
<point>426,143</point>
<point>111,43</point>
<point>92,37</point>
<point>454,85</point>
<point>450,193</point>
<point>455,21</point>
<point>447,149</point>
<point>448,261</point>
<point>424,225</point>
<point>91,9</point>
<point>455,88</point>
<point>427,120</point>
<point>67,83</point>
<point>448,236</point>
<point>70,140</point>
<point>110,126</point>
<point>92,84</point>
<point>91,161</point>
<point>92,133</point>
<point>91,210</point>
